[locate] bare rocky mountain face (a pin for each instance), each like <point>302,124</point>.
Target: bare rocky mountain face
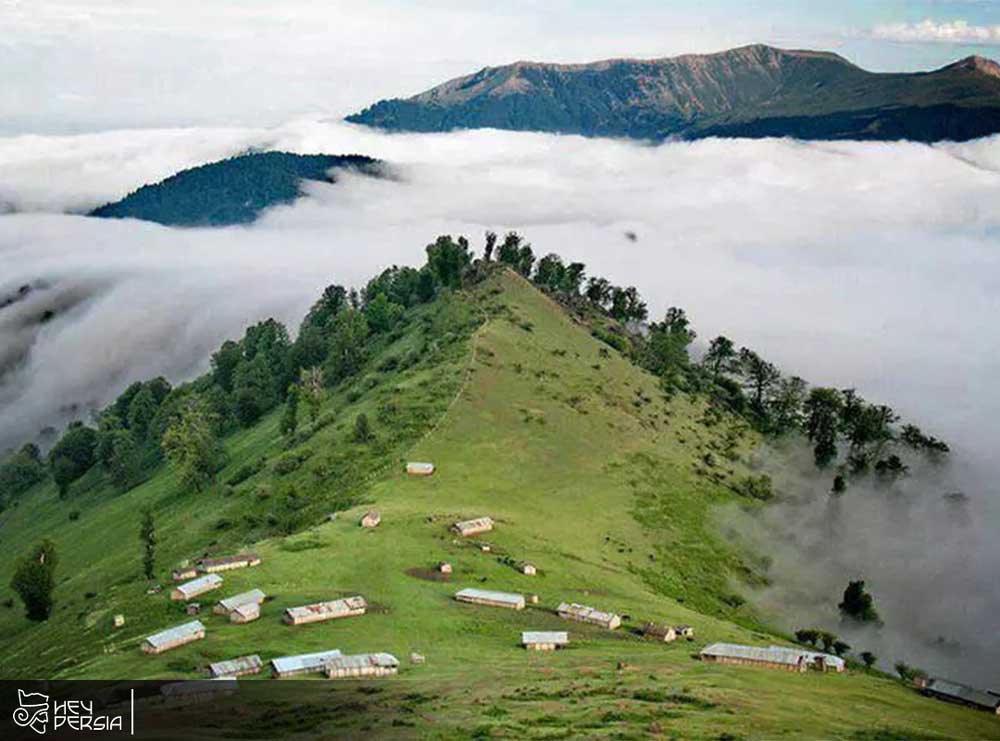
<point>752,91</point>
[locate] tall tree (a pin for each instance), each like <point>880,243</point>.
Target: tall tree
<point>759,377</point>
<point>448,260</point>
<point>598,292</point>
<point>491,243</point>
<point>822,409</point>
<point>720,357</point>
<point>34,580</point>
<point>147,535</point>
<point>858,604</point>
<point>311,384</point>
<point>348,345</point>
<point>290,419</point>
<point>73,455</point>
<point>190,443</point>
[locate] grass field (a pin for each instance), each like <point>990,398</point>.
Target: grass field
<point>591,473</point>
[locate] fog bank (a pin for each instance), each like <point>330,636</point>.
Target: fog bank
<point>872,265</point>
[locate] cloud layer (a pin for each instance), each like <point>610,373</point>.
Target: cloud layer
<point>872,265</point>
<point>928,31</point>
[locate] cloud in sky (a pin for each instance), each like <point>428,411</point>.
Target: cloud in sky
<point>852,264</point>
<point>928,31</point>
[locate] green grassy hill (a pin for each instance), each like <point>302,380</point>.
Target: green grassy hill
<point>590,472</point>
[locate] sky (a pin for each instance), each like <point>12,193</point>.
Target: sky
<point>72,66</point>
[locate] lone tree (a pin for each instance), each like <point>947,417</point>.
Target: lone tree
<point>34,580</point>
<point>362,430</point>
<point>147,534</point>
<point>869,659</point>
<point>858,605</point>
<point>840,647</point>
<point>290,419</point>
<point>807,636</point>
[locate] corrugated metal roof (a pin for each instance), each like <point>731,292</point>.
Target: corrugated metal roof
<point>770,654</point>
<point>963,693</point>
<point>304,662</point>
<point>222,560</point>
<point>195,586</point>
<point>360,661</point>
<point>254,596</point>
<point>233,666</point>
<point>332,608</point>
<point>544,636</point>
<point>487,594</point>
<point>584,611</point>
<point>176,633</point>
<point>249,609</point>
<point>479,523</point>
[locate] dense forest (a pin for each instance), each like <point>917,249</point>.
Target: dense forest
<point>232,191</point>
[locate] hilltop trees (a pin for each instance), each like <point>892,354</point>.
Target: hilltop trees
<point>822,408</point>
<point>448,259</point>
<point>34,580</point>
<point>73,455</point>
<point>21,471</point>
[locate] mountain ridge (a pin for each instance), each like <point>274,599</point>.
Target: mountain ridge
<point>817,94</point>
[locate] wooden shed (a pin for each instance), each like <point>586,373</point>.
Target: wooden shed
<point>659,632</point>
<point>182,574</point>
<point>320,611</point>
<point>491,598</point>
<point>174,637</point>
<point>419,469</point>
<point>371,519</point>
<point>684,631</point>
<point>239,667</point>
<point>228,563</point>
<point>584,614</point>
<point>465,528</point>
<point>544,640</point>
<point>227,605</point>
<point>290,666</point>
<point>191,589</point>
<point>362,665</point>
<point>444,567</point>
<point>528,569</point>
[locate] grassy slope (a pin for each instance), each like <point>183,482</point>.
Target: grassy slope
<point>588,471</point>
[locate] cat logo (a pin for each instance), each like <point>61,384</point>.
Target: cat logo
<point>34,711</point>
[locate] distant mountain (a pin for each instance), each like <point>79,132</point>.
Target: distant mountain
<point>232,191</point>
<point>752,91</point>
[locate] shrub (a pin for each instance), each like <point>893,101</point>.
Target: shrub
<point>291,461</point>
<point>74,515</point>
<point>246,471</point>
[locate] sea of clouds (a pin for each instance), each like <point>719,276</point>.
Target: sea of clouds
<point>872,265</point>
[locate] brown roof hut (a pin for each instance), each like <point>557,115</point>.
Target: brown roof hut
<point>659,632</point>
<point>228,563</point>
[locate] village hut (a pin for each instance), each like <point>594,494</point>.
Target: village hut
<point>943,689</point>
<point>174,637</point>
<point>371,519</point>
<point>772,657</point>
<point>419,469</point>
<point>362,665</point>
<point>685,631</point>
<point>491,598</point>
<point>228,563</point>
<point>184,573</point>
<point>193,608</point>
<point>290,666</point>
<point>659,632</point>
<point>320,611</point>
<point>465,528</point>
<point>245,613</point>
<point>227,605</point>
<point>444,567</point>
<point>238,667</point>
<point>528,569</point>
<point>544,640</point>
<point>584,614</point>
<point>417,658</point>
<point>119,620</point>
<point>191,589</point>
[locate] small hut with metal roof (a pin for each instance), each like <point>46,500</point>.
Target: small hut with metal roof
<point>544,640</point>
<point>362,665</point>
<point>371,519</point>
<point>174,637</point>
<point>490,598</point>
<point>585,614</point>
<point>238,667</point>
<point>415,468</point>
<point>191,589</point>
<point>245,613</point>
<point>465,528</point>
<point>290,666</point>
<point>320,611</point>
<point>227,605</point>
<point>659,632</point>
